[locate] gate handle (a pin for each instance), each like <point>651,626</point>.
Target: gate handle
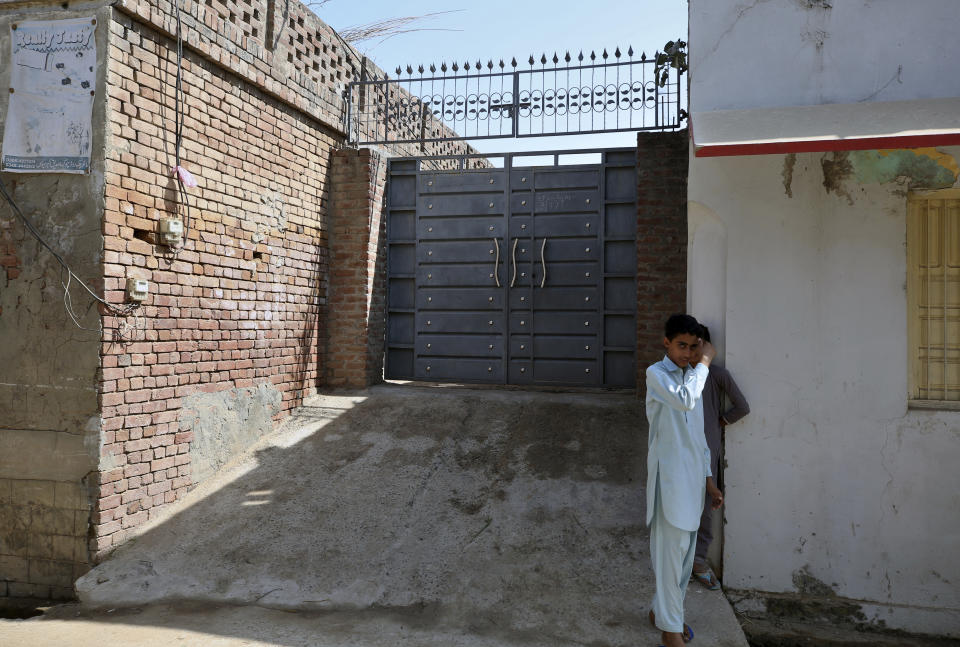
<point>543,262</point>
<point>496,263</point>
<point>514,258</point>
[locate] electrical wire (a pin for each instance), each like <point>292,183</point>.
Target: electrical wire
<point>66,270</point>
<point>67,275</point>
<point>178,129</point>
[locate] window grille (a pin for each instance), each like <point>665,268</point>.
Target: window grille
<point>933,295</point>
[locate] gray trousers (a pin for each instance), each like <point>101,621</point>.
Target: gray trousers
<point>705,532</point>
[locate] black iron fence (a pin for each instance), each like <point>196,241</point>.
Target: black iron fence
<point>547,96</point>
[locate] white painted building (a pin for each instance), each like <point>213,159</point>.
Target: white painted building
<point>824,230</point>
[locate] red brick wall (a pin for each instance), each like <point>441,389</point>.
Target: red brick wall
<point>661,240</point>
<point>244,303</point>
<point>357,281</point>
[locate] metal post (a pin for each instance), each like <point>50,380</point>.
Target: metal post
<point>679,77</point>
<point>386,112</point>
<point>515,108</point>
<point>656,93</point>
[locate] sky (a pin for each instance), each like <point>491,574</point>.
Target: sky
<point>496,29</point>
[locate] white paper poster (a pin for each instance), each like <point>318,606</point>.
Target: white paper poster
<point>53,76</point>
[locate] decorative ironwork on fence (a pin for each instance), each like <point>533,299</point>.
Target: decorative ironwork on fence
<point>547,96</point>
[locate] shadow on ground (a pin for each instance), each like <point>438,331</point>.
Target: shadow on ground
<point>406,515</point>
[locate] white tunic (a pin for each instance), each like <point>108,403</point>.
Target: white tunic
<point>677,449</point>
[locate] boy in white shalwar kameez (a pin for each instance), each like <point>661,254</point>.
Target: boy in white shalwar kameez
<point>678,471</point>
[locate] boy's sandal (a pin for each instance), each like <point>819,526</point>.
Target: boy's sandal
<point>687,629</point>
<point>708,579</point>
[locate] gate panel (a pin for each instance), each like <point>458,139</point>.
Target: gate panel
<point>486,346</point>
<point>453,298</point>
<point>460,274</point>
<point>508,276</point>
<point>460,204</point>
<point>565,298</point>
<point>620,268</point>
<point>459,369</point>
<point>476,227</point>
<point>561,320</point>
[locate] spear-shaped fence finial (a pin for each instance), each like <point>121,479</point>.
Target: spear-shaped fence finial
<point>472,72</point>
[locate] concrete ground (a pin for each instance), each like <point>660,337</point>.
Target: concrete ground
<point>401,515</point>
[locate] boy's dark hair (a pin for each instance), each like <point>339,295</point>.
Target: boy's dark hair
<point>704,333</point>
<point>680,324</point>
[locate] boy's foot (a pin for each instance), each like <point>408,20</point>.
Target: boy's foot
<point>672,639</point>
<point>707,578</point>
<point>686,636</point>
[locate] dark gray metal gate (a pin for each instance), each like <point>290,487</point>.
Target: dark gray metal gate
<point>517,275</point>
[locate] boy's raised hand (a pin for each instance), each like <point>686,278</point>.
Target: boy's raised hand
<point>708,351</point>
<point>716,496</point>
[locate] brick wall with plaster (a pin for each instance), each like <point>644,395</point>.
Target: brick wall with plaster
<point>241,312</point>
<point>233,333</point>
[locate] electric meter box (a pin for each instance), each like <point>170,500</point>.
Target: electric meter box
<point>171,231</point>
<point>137,290</point>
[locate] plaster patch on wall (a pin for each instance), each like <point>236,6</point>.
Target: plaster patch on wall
<point>817,36</point>
<point>836,170</point>
<point>273,211</point>
<point>226,423</point>
<point>824,5</point>
<point>920,168</point>
<point>271,219</point>
<point>814,602</point>
<point>787,173</point>
<point>807,584</point>
<point>925,168</point>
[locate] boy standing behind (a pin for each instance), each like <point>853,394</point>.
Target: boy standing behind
<point>678,471</point>
<point>715,419</point>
